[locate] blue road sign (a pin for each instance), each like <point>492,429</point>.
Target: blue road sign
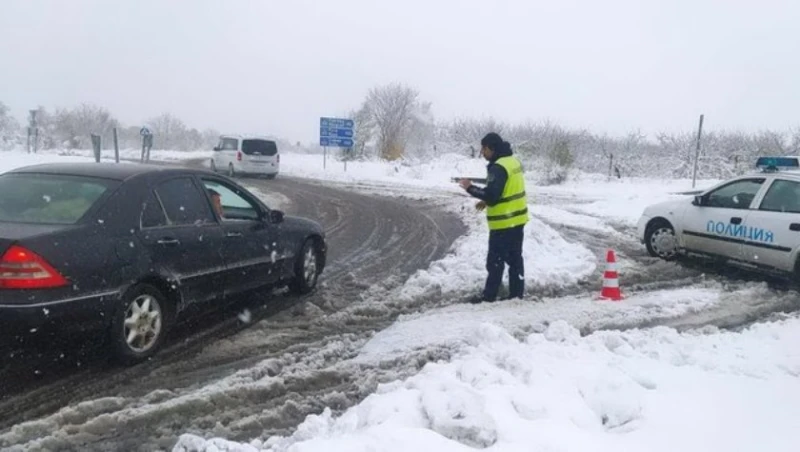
<point>336,132</point>
<point>336,142</point>
<point>332,132</point>
<point>336,123</point>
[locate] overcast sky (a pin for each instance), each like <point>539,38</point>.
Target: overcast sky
<point>276,66</point>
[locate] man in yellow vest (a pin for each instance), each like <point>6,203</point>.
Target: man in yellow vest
<point>506,213</point>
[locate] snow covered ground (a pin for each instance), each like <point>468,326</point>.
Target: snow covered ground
<point>541,373</point>
<point>522,377</point>
<point>552,390</point>
<point>14,159</point>
<point>128,154</point>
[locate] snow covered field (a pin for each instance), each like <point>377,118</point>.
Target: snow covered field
<point>539,374</point>
<point>523,378</point>
<point>553,390</point>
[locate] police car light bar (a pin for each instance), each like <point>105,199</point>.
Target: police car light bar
<point>776,163</point>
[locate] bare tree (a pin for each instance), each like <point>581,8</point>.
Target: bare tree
<point>606,148</point>
<point>74,127</point>
<point>466,133</point>
<point>48,131</point>
<point>364,127</point>
<point>169,132</point>
<point>210,138</point>
<point>630,154</point>
<point>769,142</point>
<point>7,122</point>
<point>9,128</point>
<point>395,115</point>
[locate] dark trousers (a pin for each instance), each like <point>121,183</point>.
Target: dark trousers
<point>505,248</point>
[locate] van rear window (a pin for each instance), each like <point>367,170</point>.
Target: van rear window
<point>259,147</point>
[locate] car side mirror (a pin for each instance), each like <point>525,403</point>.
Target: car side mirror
<point>275,216</point>
<point>699,200</point>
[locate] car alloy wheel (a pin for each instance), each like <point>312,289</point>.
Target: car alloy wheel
<point>140,324</point>
<point>143,323</point>
<point>306,269</point>
<point>310,267</point>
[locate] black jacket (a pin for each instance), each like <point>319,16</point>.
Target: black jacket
<point>495,180</point>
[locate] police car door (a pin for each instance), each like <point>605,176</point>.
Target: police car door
<point>774,227</point>
<point>713,227</point>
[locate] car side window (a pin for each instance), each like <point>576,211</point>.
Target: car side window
<point>229,144</point>
<point>782,196</point>
<point>183,202</point>
<point>736,195</point>
<point>228,203</point>
<point>153,215</point>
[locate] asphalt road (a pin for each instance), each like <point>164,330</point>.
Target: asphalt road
<point>269,356</point>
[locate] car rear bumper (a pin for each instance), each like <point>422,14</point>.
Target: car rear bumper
<point>257,168</point>
<point>85,313</point>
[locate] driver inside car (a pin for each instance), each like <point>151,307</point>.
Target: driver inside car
<point>216,201</point>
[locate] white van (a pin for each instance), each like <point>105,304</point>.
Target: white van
<point>237,154</point>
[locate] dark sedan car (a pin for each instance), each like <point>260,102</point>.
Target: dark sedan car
<point>125,249</point>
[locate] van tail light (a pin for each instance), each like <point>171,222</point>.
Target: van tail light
<point>21,268</point>
<point>239,155</point>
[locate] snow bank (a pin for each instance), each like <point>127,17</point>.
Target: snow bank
<point>10,160</point>
<point>621,200</point>
<point>434,173</point>
<point>550,260</point>
<point>131,154</point>
<point>654,390</point>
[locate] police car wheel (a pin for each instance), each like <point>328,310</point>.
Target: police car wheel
<point>661,242</point>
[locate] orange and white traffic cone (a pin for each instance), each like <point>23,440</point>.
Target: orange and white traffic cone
<point>610,289</point>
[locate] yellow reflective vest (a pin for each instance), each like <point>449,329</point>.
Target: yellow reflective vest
<point>512,208</point>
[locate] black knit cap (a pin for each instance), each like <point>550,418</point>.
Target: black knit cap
<point>492,141</point>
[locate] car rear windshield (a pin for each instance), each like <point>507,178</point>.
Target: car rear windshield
<point>259,147</point>
<point>48,198</point>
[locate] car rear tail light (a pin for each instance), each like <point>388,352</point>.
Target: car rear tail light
<point>239,156</point>
<point>21,268</point>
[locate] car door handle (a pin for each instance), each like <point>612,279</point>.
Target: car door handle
<point>794,227</point>
<point>736,220</point>
<point>233,234</point>
<point>169,241</point>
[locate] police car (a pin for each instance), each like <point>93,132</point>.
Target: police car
<point>750,221</point>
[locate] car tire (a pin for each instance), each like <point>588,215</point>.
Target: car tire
<point>213,166</point>
<point>660,240</point>
<point>231,171</point>
<point>136,336</point>
<point>306,269</point>
<point>272,176</point>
